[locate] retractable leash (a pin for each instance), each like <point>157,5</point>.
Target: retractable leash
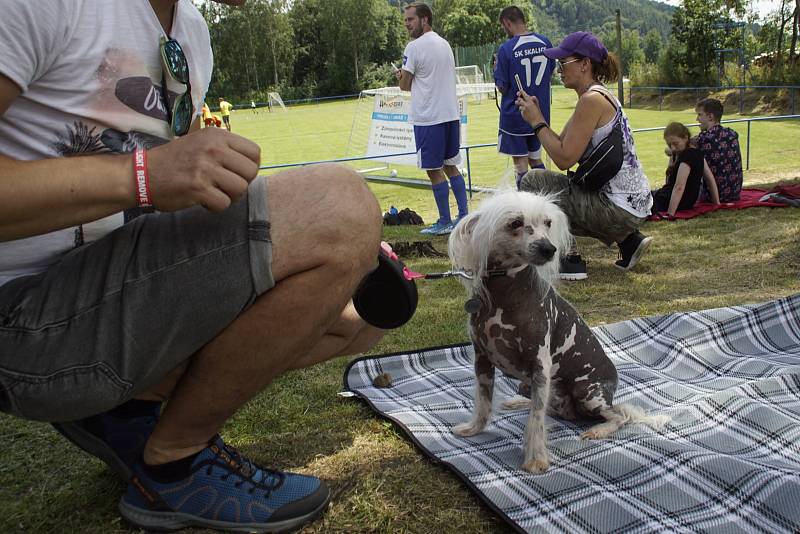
<point>387,297</point>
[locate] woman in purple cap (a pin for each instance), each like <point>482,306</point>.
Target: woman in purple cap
<point>615,212</point>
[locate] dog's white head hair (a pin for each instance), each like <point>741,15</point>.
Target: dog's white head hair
<point>510,229</point>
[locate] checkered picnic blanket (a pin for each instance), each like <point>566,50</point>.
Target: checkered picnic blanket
<point>728,462</point>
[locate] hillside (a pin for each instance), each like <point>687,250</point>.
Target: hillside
<point>556,18</point>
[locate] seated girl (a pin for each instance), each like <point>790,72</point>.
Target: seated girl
<point>686,168</point>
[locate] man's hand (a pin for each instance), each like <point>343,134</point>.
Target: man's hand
<point>211,167</point>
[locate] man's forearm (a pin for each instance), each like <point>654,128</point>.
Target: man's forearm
<point>41,196</point>
<point>405,80</point>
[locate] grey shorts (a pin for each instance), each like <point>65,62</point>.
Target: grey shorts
<point>113,317</point>
<point>590,213</point>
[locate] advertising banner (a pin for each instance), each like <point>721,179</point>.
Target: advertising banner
<point>390,132</point>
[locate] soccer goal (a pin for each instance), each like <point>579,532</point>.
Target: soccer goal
<point>471,75</point>
<point>274,100</point>
<point>468,74</point>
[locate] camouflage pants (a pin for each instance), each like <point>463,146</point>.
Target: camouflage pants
<point>590,213</point>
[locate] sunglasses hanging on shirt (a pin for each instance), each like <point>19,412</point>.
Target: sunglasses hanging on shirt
<point>174,64</point>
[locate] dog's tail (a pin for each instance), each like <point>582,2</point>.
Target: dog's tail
<point>633,414</point>
<point>620,415</point>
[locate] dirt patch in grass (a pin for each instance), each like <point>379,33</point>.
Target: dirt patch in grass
<point>416,249</point>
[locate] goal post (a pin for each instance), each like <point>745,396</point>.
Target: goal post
<point>472,76</point>
<point>275,100</point>
<point>468,74</point>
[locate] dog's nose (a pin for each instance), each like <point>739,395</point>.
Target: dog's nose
<point>545,248</point>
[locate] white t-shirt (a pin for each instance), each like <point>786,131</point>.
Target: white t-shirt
<point>433,91</point>
<point>90,73</point>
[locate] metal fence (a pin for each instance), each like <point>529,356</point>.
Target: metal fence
<point>469,148</point>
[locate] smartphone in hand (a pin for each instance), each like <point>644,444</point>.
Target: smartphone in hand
<point>519,84</point>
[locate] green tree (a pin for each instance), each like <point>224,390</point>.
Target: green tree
<point>696,34</point>
<point>652,45</point>
<point>631,48</point>
<point>343,39</point>
<point>252,47</point>
<point>472,22</point>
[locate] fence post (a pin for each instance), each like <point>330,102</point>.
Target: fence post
<point>794,92</point>
<point>469,174</point>
<point>660,97</point>
<point>741,101</point>
<point>748,144</point>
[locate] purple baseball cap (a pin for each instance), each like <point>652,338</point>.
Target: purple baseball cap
<point>584,44</point>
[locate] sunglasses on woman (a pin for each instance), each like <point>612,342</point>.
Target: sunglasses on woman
<point>560,64</point>
<point>174,63</point>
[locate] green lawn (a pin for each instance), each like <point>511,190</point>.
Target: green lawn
<point>380,482</point>
<point>338,129</point>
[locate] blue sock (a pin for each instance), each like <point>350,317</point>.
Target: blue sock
<point>460,192</point>
<point>441,193</point>
<point>538,166</point>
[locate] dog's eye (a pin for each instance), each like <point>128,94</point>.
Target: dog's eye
<point>548,223</point>
<point>515,224</point>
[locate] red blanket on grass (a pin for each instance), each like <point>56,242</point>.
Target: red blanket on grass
<point>749,198</point>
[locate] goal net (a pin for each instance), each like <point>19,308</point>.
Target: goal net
<point>472,76</point>
<point>274,100</point>
<point>380,123</point>
<point>469,74</point>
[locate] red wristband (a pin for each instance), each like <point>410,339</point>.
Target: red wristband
<point>142,178</point>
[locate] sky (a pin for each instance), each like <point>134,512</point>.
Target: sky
<point>762,7</point>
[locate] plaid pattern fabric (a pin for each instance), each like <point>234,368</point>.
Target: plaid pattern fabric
<point>728,462</point>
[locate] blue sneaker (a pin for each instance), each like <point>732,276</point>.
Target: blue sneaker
<point>447,229</point>
<point>438,228</point>
<point>224,491</point>
<point>118,441</point>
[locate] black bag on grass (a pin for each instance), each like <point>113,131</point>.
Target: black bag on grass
<point>408,216</point>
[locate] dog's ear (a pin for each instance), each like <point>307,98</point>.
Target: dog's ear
<point>458,245</point>
<point>469,224</point>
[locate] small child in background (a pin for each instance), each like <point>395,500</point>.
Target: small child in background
<point>208,119</point>
<point>687,168</point>
<point>720,147</point>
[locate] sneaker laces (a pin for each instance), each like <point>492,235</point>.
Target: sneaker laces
<point>237,464</point>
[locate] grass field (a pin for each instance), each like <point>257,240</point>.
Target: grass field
<point>325,131</point>
<point>380,482</point>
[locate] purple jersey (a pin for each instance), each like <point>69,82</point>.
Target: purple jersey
<point>522,55</point>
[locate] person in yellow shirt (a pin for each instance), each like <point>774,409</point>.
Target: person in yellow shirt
<point>225,111</point>
<point>208,118</point>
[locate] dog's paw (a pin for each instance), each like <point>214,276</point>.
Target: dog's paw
<point>594,434</point>
<point>466,430</point>
<point>517,402</point>
<point>536,465</point>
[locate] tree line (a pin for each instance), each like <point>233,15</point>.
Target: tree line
<point>313,48</point>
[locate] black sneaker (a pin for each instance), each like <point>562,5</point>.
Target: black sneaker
<point>116,439</point>
<point>631,250</point>
<point>572,267</point>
